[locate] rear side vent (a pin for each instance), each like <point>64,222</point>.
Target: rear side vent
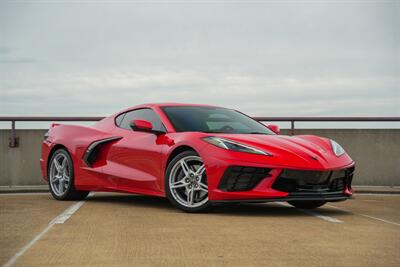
<point>241,178</point>
<point>91,153</point>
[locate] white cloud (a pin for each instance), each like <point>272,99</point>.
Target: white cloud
<point>104,92</point>
<point>263,58</point>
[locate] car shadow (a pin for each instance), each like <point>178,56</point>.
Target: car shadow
<point>271,209</point>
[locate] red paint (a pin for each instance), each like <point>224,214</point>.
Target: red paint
<point>137,162</point>
<point>142,125</point>
<point>274,128</point>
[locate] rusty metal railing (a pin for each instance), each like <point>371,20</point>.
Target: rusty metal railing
<point>13,142</point>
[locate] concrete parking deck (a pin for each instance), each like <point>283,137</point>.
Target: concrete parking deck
<point>130,230</point>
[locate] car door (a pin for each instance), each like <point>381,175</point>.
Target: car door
<point>134,162</point>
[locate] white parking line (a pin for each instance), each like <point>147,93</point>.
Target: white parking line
<point>313,213</point>
<point>62,218</point>
<point>27,246</point>
<point>323,217</point>
<point>365,215</point>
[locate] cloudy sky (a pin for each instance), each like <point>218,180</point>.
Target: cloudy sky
<point>337,58</point>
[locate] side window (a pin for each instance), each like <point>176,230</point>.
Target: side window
<point>142,114</point>
<point>119,119</point>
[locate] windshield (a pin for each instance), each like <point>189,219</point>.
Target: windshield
<point>212,120</point>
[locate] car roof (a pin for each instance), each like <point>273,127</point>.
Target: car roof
<point>170,104</point>
<point>166,104</point>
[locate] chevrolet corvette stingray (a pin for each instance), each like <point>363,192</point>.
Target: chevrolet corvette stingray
<point>195,155</point>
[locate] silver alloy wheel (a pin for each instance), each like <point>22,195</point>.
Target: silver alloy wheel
<point>59,175</point>
<point>187,182</point>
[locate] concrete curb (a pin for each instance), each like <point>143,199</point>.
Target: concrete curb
<point>376,189</point>
<point>24,189</point>
<point>359,189</point>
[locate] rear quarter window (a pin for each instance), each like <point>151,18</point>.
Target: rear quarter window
<point>119,119</point>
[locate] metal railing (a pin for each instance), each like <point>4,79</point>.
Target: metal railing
<point>292,120</point>
<point>13,142</point>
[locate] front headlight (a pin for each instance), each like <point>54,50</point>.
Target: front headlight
<point>337,149</point>
<point>232,145</point>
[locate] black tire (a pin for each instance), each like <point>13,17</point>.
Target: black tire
<point>307,204</point>
<point>70,193</point>
<point>204,207</point>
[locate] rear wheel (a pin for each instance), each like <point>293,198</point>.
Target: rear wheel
<point>307,204</point>
<point>186,182</point>
<point>61,177</point>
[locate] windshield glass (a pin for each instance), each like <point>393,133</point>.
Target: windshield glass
<point>212,120</point>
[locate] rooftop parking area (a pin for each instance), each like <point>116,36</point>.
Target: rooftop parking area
<point>131,230</point>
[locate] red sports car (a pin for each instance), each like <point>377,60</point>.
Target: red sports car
<point>196,156</point>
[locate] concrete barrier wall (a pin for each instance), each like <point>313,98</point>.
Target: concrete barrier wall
<point>376,152</point>
<point>20,165</point>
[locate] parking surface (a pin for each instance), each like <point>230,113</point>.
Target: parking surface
<point>129,230</point>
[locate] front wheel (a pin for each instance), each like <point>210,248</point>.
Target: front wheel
<point>186,182</point>
<point>61,177</point>
<point>307,204</point>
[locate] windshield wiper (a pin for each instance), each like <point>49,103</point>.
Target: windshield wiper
<point>214,132</point>
<point>258,133</point>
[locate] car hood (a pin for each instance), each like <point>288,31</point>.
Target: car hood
<point>305,150</point>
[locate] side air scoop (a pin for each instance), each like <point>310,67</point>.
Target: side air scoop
<point>92,151</point>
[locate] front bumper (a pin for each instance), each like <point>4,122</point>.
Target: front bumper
<point>326,184</point>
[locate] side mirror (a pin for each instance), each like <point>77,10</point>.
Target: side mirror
<point>274,128</point>
<point>141,125</point>
<point>144,126</point>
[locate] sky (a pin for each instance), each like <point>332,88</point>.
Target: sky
<point>265,58</point>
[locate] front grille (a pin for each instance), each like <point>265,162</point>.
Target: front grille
<point>313,181</point>
<point>242,178</point>
<point>337,185</point>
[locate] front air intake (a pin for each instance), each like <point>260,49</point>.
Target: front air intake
<point>314,181</point>
<point>242,178</point>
